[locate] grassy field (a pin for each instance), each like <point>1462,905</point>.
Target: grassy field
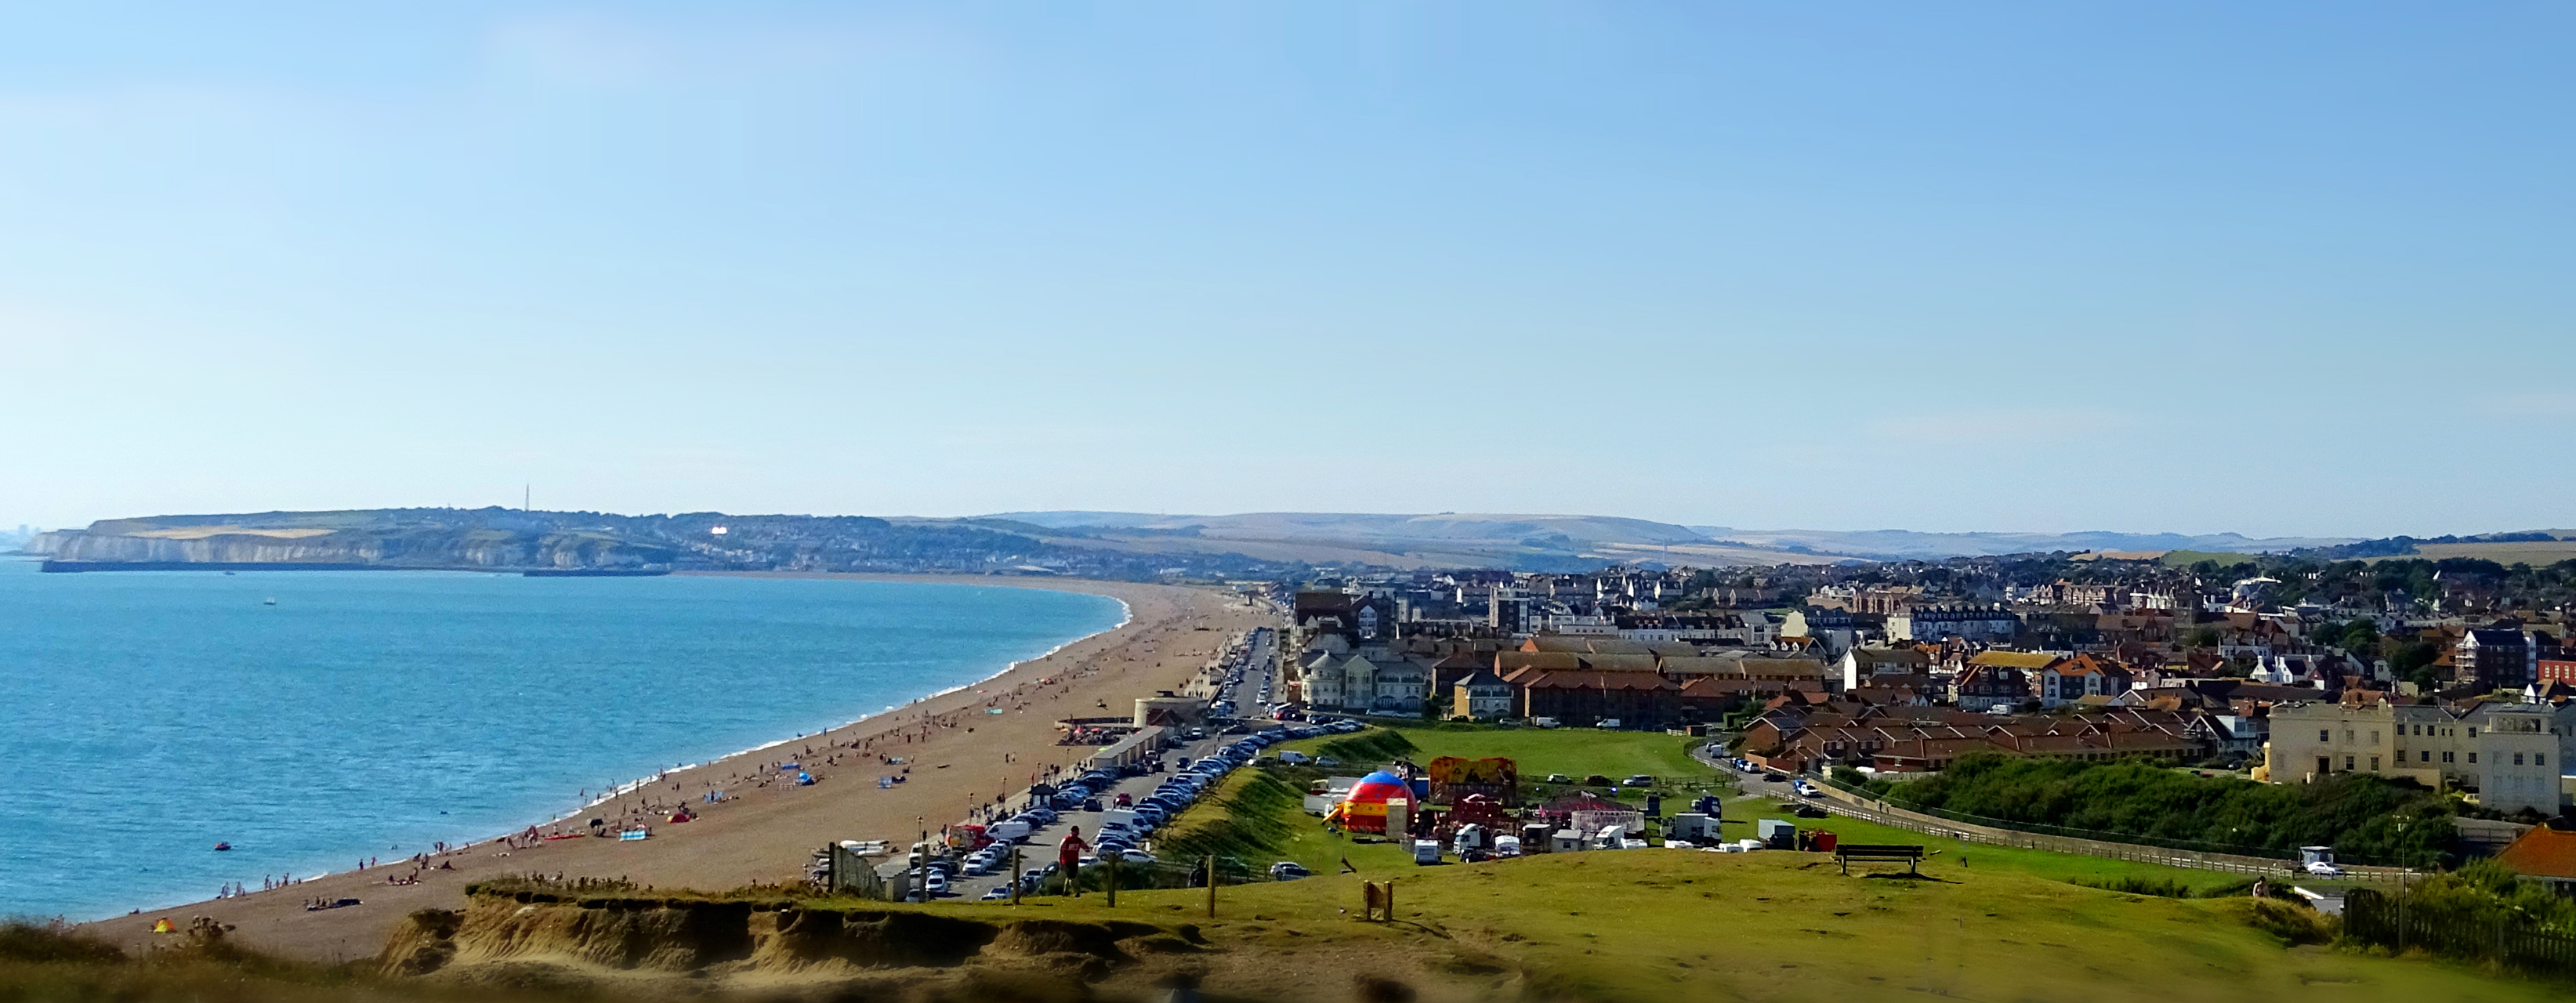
<point>1957,860</point>
<point>1677,925</point>
<point>1575,752</point>
<point>2532,552</point>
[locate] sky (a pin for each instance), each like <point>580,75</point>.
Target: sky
<point>2280,269</point>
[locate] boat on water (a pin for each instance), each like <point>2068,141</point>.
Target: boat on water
<point>268,602</point>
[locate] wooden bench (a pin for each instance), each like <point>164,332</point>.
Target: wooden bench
<point>1910,856</point>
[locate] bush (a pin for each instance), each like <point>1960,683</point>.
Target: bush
<point>53,943</point>
<point>2294,924</point>
<point>2364,817</point>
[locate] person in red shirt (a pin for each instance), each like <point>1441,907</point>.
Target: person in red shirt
<point>1068,856</point>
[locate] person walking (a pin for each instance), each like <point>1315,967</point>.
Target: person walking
<point>1068,856</point>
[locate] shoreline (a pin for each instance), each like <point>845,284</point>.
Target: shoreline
<point>1127,615</point>
<point>766,826</point>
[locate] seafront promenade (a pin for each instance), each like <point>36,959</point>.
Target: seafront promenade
<point>959,754</point>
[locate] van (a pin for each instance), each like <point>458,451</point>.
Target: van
<point>1011,831</point>
<point>1544,722</point>
<point>1118,818</point>
<point>1293,757</point>
<point>1608,724</point>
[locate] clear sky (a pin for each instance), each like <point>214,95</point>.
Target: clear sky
<point>2273,268</point>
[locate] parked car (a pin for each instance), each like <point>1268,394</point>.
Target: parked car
<point>1639,780</point>
<point>997,892</point>
<point>1289,870</point>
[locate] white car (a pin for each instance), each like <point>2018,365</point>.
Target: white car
<point>1136,856</point>
<point>998,893</point>
<point>2324,870</point>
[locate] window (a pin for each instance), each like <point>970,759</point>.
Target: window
<point>2374,736</point>
<point>2517,759</point>
<point>2347,762</point>
<point>2374,764</point>
<point>2428,756</point>
<point>2325,735</point>
<point>2446,756</point>
<point>2473,757</point>
<point>2473,731</point>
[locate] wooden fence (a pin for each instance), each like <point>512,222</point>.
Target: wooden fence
<point>2384,920</point>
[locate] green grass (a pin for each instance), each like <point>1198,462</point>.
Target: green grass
<point>1675,925</point>
<point>1956,859</point>
<point>1576,752</point>
<point>1257,819</point>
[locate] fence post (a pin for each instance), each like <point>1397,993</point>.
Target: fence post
<point>1211,873</point>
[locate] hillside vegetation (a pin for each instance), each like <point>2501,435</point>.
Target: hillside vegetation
<point>1643,925</point>
<point>2364,817</point>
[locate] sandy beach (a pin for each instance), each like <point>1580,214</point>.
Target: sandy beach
<point>958,755</point>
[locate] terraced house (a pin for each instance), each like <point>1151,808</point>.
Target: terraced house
<point>2514,756</point>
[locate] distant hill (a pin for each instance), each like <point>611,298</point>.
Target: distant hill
<point>1535,542</point>
<point>1903,544</point>
<point>1098,544</point>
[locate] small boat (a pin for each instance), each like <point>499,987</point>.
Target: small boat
<point>220,847</point>
<point>268,602</point>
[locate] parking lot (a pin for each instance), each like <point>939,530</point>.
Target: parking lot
<point>1155,791</point>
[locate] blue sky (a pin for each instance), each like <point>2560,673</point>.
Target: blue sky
<point>2278,269</point>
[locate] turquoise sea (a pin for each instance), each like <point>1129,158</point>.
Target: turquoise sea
<point>146,716</point>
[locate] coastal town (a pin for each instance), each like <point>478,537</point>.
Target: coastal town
<point>1833,699</point>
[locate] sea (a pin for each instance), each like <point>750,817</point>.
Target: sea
<point>313,718</point>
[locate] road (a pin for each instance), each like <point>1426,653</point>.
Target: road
<point>1242,681</point>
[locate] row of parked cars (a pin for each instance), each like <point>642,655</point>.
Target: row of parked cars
<point>1123,826</point>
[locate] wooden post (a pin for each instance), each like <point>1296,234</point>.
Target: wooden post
<point>1211,875</point>
<point>1390,900</point>
<point>1015,874</point>
<point>1112,865</point>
